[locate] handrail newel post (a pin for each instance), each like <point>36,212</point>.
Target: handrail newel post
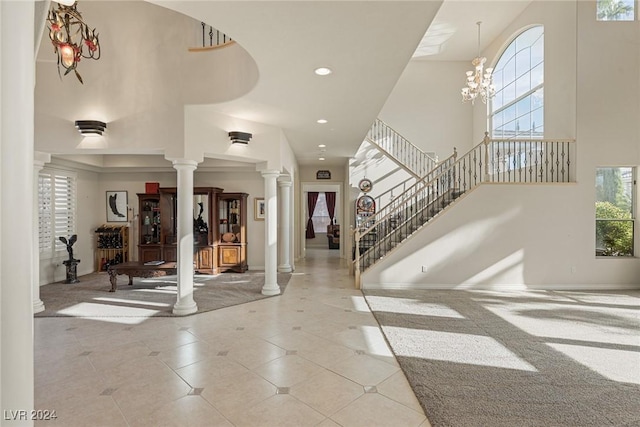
<point>486,142</point>
<point>357,256</point>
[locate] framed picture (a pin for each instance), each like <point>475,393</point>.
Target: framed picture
<point>117,206</point>
<point>259,209</point>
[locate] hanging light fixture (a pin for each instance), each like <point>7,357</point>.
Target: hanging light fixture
<point>479,80</point>
<point>71,37</point>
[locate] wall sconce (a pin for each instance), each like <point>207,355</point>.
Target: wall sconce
<point>239,137</point>
<point>90,127</point>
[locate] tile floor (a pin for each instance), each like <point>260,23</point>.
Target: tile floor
<point>313,356</point>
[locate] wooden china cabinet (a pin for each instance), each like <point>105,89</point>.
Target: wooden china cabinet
<point>219,229</point>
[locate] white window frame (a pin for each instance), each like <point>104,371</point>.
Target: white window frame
<point>57,210</point>
<point>540,87</point>
<point>632,180</point>
<point>633,18</point>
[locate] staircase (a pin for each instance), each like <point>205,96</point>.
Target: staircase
<point>495,161</point>
<point>400,150</point>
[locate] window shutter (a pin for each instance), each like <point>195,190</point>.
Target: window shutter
<point>57,210</point>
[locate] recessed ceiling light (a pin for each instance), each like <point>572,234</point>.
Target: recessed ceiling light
<point>322,146</point>
<point>322,121</point>
<point>323,71</point>
<point>320,158</point>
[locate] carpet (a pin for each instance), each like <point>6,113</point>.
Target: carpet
<point>149,297</point>
<point>476,358</point>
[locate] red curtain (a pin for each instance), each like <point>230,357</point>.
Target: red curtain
<point>312,199</point>
<point>331,203</point>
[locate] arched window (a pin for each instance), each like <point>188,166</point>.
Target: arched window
<point>517,108</point>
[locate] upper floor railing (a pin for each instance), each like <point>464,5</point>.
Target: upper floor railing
<point>211,37</point>
<point>400,150</point>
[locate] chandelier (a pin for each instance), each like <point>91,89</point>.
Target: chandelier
<point>480,80</point>
<point>71,37</point>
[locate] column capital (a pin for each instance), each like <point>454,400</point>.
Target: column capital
<point>270,173</point>
<point>40,159</point>
<point>285,183</point>
<point>184,164</point>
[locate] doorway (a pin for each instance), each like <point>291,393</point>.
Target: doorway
<point>318,240</point>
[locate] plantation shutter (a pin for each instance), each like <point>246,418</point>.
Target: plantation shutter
<point>57,210</point>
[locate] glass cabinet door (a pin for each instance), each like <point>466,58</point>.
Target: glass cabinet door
<point>230,221</point>
<point>150,221</point>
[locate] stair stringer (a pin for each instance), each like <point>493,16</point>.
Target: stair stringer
<point>390,253</point>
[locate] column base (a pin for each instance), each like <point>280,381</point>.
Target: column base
<point>270,290</point>
<point>285,268</point>
<point>181,309</point>
<point>38,306</point>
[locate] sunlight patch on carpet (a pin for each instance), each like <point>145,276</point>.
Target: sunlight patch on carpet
<point>170,290</point>
<point>454,347</point>
<point>412,306</point>
<point>109,313</point>
<point>617,365</point>
<point>132,301</point>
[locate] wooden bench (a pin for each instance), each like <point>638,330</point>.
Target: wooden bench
<point>139,269</point>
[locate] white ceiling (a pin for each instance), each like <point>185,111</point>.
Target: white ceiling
<point>367,44</point>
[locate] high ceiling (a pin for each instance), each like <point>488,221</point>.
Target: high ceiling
<point>367,44</point>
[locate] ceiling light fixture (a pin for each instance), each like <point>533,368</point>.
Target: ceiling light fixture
<point>91,127</point>
<point>322,121</point>
<point>237,137</point>
<point>322,146</point>
<point>479,81</point>
<point>71,38</point>
<point>323,71</point>
<point>320,158</point>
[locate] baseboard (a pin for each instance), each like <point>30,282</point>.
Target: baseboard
<point>501,287</point>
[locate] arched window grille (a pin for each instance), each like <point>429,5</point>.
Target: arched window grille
<point>517,110</point>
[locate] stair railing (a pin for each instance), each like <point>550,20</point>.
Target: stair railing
<point>400,150</point>
<point>491,161</point>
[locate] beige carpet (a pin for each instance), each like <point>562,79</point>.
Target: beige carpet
<point>517,359</point>
<point>149,297</point>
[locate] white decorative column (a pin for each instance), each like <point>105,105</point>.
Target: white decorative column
<point>38,163</point>
<point>17,74</point>
<point>185,303</point>
<point>284,188</point>
<point>271,286</point>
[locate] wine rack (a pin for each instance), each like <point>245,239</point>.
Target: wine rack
<point>112,245</point>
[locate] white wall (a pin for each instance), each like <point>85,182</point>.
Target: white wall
<point>543,236</point>
<point>425,107</point>
<point>505,236</point>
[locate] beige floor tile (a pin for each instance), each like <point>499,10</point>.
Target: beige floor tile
<point>281,410</point>
<point>364,370</point>
<point>327,392</point>
<point>188,411</point>
<point>107,359</point>
<point>86,411</point>
<point>204,372</point>
<point>287,371</point>
<point>187,354</point>
<point>236,393</point>
<point>254,352</point>
<point>140,399</point>
<point>373,410</point>
<point>73,368</point>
